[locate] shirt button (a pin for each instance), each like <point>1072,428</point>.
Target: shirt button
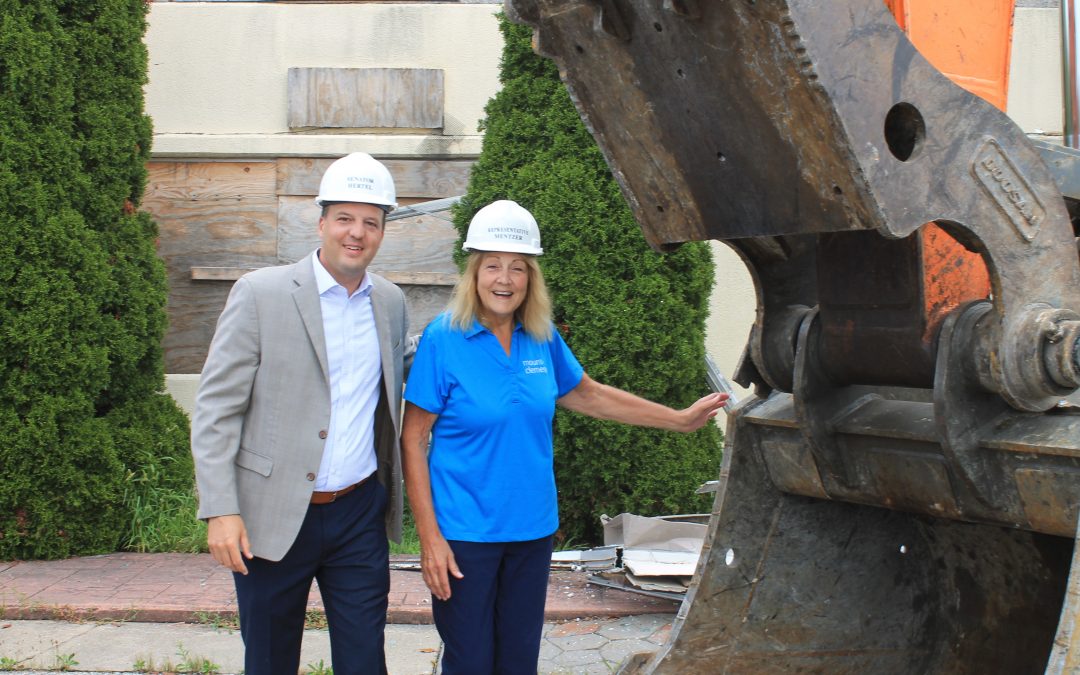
<point>311,476</point>
<point>322,434</point>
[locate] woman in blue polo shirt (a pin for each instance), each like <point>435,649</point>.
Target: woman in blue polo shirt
<point>483,387</point>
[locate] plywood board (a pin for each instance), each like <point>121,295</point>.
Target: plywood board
<point>424,303</point>
<point>417,244</point>
<point>218,219</point>
<point>208,213</point>
<point>415,178</point>
<point>399,278</point>
<point>372,98</point>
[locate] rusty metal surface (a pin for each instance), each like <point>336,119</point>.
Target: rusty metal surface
<point>906,569</point>
<point>884,313</point>
<point>892,452</point>
<point>784,274</point>
<point>1065,657</point>
<point>789,584</point>
<point>771,117</point>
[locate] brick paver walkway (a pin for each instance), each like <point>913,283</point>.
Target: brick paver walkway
<point>176,587</point>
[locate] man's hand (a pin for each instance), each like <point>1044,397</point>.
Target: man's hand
<point>228,541</point>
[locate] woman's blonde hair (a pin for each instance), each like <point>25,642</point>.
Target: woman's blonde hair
<point>534,313</point>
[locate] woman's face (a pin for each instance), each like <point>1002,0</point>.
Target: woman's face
<point>501,282</point>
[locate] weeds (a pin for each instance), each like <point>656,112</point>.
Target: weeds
<point>319,668</point>
<point>218,621</point>
<point>148,666</point>
<point>315,619</point>
<point>194,664</point>
<point>188,664</point>
<point>8,663</point>
<point>65,661</point>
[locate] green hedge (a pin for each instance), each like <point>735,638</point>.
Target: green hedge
<point>634,318</point>
<point>83,293</point>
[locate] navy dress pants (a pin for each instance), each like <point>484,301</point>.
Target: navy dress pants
<point>343,546</point>
<point>494,618</point>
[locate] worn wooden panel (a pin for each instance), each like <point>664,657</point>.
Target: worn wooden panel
<point>221,214</point>
<point>219,273</point>
<point>400,278</point>
<point>413,178</point>
<point>219,218</point>
<point>425,303</point>
<point>352,98</point>
<point>417,244</point>
<point>298,234</point>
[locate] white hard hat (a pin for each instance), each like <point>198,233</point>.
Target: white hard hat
<point>358,177</point>
<point>503,226</point>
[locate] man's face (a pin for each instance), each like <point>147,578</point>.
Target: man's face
<point>351,234</point>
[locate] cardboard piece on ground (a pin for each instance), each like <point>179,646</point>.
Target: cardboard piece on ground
<point>664,584</point>
<point>600,558</point>
<point>648,563</point>
<point>631,531</point>
<point>618,581</point>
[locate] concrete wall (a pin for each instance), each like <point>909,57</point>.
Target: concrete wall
<point>218,78</point>
<point>1035,100</point>
<point>218,72</point>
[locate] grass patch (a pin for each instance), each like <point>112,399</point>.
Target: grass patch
<point>410,541</point>
<point>162,520</point>
<point>161,501</point>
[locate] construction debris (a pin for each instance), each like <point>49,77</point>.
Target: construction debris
<point>656,556</point>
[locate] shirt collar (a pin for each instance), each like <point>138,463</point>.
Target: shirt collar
<point>325,281</point>
<point>478,328</point>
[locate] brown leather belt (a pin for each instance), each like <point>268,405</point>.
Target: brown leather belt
<point>329,497</point>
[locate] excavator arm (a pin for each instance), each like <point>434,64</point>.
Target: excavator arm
<point>900,495</point>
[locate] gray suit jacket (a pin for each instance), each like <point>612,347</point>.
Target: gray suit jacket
<point>263,404</point>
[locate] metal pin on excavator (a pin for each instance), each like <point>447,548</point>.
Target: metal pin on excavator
<point>901,494</point>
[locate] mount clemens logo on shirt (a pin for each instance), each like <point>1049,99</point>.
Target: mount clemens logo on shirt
<point>534,366</point>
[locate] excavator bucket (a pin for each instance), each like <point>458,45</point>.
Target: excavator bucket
<point>900,494</point>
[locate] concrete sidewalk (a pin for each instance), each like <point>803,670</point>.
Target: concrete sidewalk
<point>130,612</point>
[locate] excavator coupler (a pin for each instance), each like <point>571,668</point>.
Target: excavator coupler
<point>900,494</point>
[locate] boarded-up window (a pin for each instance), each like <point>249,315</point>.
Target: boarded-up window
<point>219,219</point>
<point>365,98</point>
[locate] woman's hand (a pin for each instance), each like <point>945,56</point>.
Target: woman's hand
<point>702,410</point>
<point>436,558</point>
<point>437,565</point>
<point>603,402</point>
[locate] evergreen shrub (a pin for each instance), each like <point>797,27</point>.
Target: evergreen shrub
<point>82,292</point>
<point>633,317</point>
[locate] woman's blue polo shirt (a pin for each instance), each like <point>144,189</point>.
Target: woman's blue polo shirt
<point>490,459</point>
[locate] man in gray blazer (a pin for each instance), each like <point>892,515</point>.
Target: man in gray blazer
<point>295,434</point>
